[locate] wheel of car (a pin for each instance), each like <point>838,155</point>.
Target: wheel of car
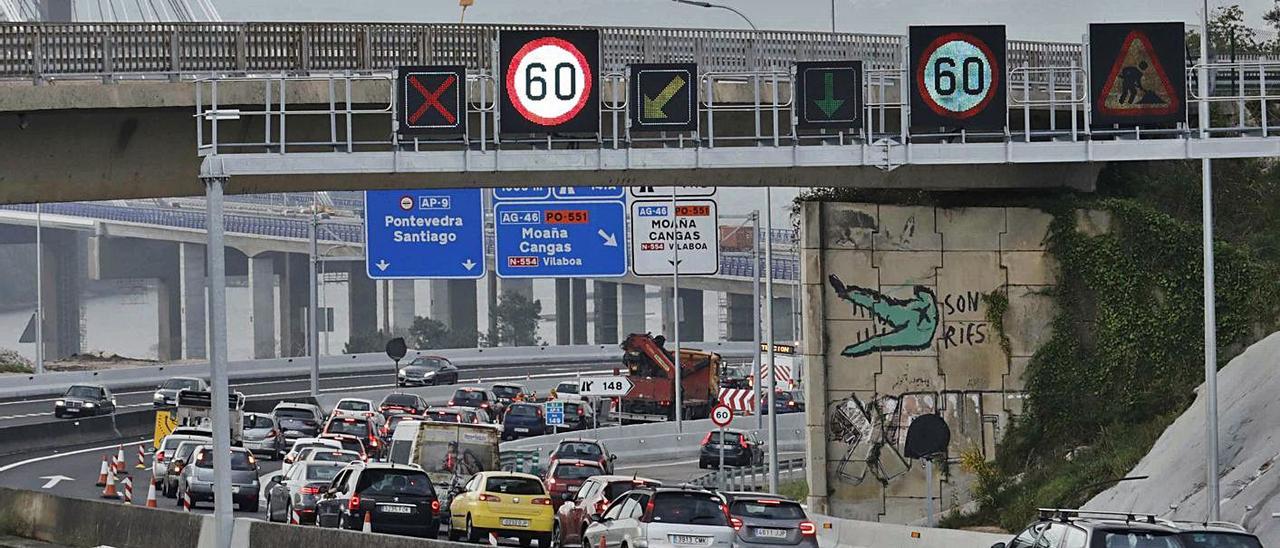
<point>57,414</point>
<point>527,541</point>
<point>546,541</point>
<point>471,532</point>
<point>556,539</point>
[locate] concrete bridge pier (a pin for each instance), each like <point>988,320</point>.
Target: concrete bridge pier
<point>454,302</point>
<point>401,306</point>
<point>115,258</point>
<point>739,318</point>
<point>783,324</point>
<point>262,289</point>
<point>192,307</point>
<point>362,301</point>
<point>631,306</point>
<point>690,313</point>
<point>605,299</point>
<point>578,329</point>
<point>64,263</point>
<point>294,297</point>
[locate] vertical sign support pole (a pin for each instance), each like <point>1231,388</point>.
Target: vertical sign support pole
<point>928,492</point>
<point>721,469</point>
<point>313,334</point>
<point>218,363</point>
<point>39,317</point>
<point>755,318</point>
<point>675,312</point>
<point>768,325</point>
<point>1210,340</point>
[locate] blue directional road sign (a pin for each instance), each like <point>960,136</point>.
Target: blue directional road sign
<point>560,239</point>
<point>522,193</point>
<point>589,193</point>
<point>555,413</point>
<point>424,233</point>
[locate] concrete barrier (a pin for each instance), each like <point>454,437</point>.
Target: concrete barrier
<point>65,433</point>
<point>75,522</point>
<point>261,534</point>
<point>845,533</point>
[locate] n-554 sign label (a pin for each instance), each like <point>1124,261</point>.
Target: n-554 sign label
<point>663,237</point>
<point>550,81</point>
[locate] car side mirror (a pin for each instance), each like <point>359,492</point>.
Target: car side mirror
<point>613,458</point>
<point>597,518</point>
<point>998,545</point>
<point>277,479</point>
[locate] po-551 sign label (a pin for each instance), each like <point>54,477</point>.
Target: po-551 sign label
<point>550,81</point>
<point>958,78</point>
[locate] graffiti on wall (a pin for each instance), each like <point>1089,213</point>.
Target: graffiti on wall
<point>909,324</point>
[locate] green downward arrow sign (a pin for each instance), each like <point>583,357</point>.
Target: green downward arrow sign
<point>653,107</point>
<point>829,104</point>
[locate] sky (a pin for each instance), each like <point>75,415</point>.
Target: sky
<point>1059,20</point>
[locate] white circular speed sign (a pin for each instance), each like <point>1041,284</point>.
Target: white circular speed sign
<point>958,75</point>
<point>549,81</point>
<point>721,415</point>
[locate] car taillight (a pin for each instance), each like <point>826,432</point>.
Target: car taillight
<point>484,406</point>
<point>272,434</point>
<point>450,403</point>
<point>543,501</point>
<point>485,497</point>
<point>791,403</point>
<point>706,439</point>
<point>808,529</point>
<point>736,523</point>
<point>742,440</point>
<point>354,503</point>
<point>601,505</point>
<point>159,456</point>
<point>582,411</point>
<point>551,481</point>
<point>435,507</point>
<point>310,490</point>
<point>648,511</point>
<point>373,441</point>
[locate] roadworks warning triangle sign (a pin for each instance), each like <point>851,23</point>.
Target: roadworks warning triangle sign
<point>1138,84</point>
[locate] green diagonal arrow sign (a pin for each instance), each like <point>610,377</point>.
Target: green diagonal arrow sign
<point>829,104</point>
<point>653,107</point>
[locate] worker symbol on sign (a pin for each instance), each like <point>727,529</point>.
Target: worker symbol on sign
<point>664,96</point>
<point>1138,72</point>
<point>432,100</point>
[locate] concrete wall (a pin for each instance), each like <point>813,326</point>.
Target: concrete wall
<point>76,522</point>
<point>896,327</point>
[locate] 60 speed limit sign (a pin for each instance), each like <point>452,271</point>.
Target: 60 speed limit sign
<point>721,415</point>
<point>958,76</point>
<point>550,81</point>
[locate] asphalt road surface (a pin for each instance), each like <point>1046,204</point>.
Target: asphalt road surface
<point>36,410</point>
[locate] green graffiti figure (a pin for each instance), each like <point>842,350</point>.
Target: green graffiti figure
<point>912,321</point>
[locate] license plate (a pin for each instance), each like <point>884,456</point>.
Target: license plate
<point>574,488</point>
<point>73,404</point>
<point>235,489</point>
<point>396,509</point>
<point>522,430</point>
<point>512,522</point>
<point>771,533</point>
<point>688,539</point>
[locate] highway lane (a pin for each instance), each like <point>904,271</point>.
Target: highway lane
<point>15,413</point>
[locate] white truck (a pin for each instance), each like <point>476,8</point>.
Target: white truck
<point>194,409</point>
<point>450,453</point>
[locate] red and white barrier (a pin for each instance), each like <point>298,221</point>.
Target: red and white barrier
<point>740,400</point>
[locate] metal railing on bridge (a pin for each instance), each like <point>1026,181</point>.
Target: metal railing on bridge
<point>751,478</point>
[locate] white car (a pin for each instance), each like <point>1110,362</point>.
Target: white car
<point>663,516</point>
<point>358,408</point>
<point>303,443</point>
<point>568,391</point>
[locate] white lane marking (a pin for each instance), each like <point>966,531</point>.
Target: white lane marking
<point>54,481</point>
<point>50,413</point>
<point>9,467</point>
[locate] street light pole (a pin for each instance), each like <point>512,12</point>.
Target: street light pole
<point>39,317</point>
<point>718,6</point>
<point>313,337</point>
<point>1210,340</point>
<point>768,325</point>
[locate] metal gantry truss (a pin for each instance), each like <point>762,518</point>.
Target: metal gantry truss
<point>747,125</point>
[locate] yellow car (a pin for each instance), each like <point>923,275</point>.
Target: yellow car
<point>505,503</point>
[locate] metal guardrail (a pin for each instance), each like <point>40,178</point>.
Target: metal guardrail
<point>528,462</point>
<point>751,478</point>
<point>42,51</point>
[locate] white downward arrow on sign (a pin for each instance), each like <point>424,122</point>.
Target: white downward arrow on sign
<point>610,240</point>
<point>54,481</point>
<point>469,264</point>
<point>382,265</point>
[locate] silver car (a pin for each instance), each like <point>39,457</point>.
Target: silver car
<point>262,436</point>
<point>663,518</point>
<point>298,491</point>
<point>166,395</point>
<point>165,453</point>
<point>763,520</point>
<point>196,480</point>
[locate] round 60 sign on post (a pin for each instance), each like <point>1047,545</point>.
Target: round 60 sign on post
<point>721,415</point>
<point>958,76</point>
<point>550,81</point>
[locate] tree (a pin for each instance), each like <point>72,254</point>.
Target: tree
<point>1228,33</point>
<point>516,317</point>
<point>372,341</point>
<point>429,334</point>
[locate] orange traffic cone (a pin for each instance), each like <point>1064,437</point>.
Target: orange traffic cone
<point>368,522</point>
<point>151,495</point>
<point>142,459</point>
<point>128,490</point>
<point>110,491</point>
<point>102,473</point>
<point>120,459</point>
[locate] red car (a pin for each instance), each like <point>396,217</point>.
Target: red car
<point>349,443</point>
<point>363,428</point>
<point>566,476</point>
<point>585,450</point>
<point>593,498</point>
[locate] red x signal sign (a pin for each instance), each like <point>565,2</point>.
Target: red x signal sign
<point>432,100</point>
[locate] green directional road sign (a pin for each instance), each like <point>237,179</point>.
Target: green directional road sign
<point>663,97</point>
<point>830,93</point>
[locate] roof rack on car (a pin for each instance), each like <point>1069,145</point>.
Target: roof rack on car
<point>1224,524</point>
<point>1065,514</point>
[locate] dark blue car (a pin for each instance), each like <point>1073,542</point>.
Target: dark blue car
<point>523,420</point>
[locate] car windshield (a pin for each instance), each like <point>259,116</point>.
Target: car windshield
<point>179,384</point>
<point>426,362</point>
<point>348,426</point>
<point>1135,539</point>
<point>444,416</point>
<point>506,391</point>
<point>568,388</point>
<point>321,455</point>
<point>732,438</point>
<point>239,460</point>
<point>1218,539</point>
<point>508,485</point>
<point>258,421</point>
<point>294,413</point>
<point>767,509</point>
<point>322,473</point>
<point>405,400</point>
<point>349,444</point>
<point>613,490</point>
<point>184,450</point>
<point>353,405</point>
<point>523,410</point>
<point>413,483</point>
<point>572,408</point>
<point>576,471</point>
<point>688,509</point>
<point>83,392</point>
<point>468,397</point>
<point>574,450</point>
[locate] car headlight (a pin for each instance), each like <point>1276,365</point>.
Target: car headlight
<point>158,396</point>
<point>90,404</point>
<point>402,371</point>
<point>429,374</point>
<point>59,403</point>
